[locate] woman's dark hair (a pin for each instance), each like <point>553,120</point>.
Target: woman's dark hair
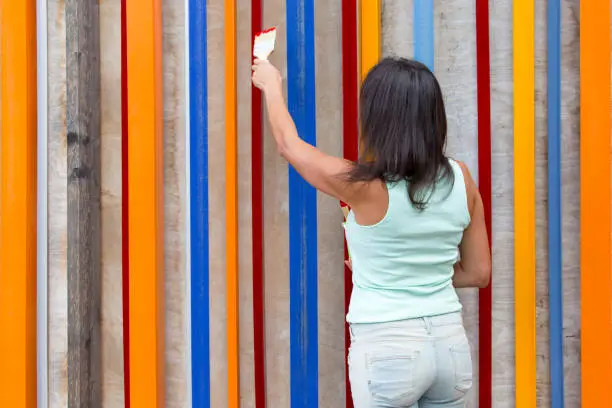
<point>403,129</point>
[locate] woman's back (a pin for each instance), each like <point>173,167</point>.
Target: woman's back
<point>403,265</point>
<point>406,250</point>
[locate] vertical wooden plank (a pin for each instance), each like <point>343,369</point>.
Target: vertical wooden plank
<point>198,182</point>
<point>484,185</point>
<point>456,68</point>
<point>570,206</point>
<point>369,39</point>
<point>555,288</point>
<point>83,144</point>
<point>42,270</point>
<point>502,202</point>
<point>145,207</point>
<point>595,203</point>
<point>524,203</point>
<point>125,194</point>
<point>112,382</point>
<point>302,209</point>
<point>58,207</point>
<point>231,207</point>
<point>258,233</point>
<point>18,193</point>
<point>424,32</point>
<point>331,317</point>
<point>350,131</point>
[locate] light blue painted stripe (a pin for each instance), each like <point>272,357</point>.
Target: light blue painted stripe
<point>302,210</point>
<point>424,32</point>
<point>198,199</point>
<point>42,294</point>
<point>554,203</point>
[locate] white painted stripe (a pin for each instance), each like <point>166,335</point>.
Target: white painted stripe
<point>188,377</point>
<point>42,359</point>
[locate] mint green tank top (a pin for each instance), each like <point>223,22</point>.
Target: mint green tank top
<point>403,265</point>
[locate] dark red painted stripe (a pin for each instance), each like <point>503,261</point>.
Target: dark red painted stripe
<point>484,181</point>
<point>124,207</point>
<point>350,88</point>
<point>258,235</point>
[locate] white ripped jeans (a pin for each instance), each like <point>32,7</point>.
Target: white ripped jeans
<point>416,363</point>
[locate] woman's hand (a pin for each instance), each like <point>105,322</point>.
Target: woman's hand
<point>266,77</point>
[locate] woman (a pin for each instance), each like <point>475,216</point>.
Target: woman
<point>416,231</point>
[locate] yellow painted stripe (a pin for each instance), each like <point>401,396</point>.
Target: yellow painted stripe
<point>18,206</point>
<point>145,204</point>
<point>231,206</point>
<point>369,29</point>
<point>595,204</point>
<point>524,204</point>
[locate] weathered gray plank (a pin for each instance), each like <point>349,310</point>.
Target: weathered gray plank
<point>331,318</point>
<point>83,148</point>
<point>570,199</point>
<point>57,196</point>
<point>541,205</point>
<point>502,163</point>
<point>111,325</point>
<point>455,68</point>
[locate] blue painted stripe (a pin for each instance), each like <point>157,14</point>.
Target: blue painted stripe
<point>554,203</point>
<point>302,209</point>
<point>198,183</point>
<point>424,32</point>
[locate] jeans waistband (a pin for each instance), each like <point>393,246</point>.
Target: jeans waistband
<point>426,322</point>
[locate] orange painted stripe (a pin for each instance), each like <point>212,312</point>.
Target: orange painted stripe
<point>370,37</point>
<point>596,293</point>
<point>524,204</point>
<point>145,203</point>
<point>18,205</point>
<point>231,207</point>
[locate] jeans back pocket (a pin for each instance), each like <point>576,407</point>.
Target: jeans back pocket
<point>392,376</point>
<point>462,364</point>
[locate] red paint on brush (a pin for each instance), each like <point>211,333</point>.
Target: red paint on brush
<point>258,33</point>
<point>124,208</point>
<point>350,84</point>
<point>258,235</point>
<point>484,181</point>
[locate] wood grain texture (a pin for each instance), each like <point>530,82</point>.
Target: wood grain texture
<point>174,182</point>
<point>146,201</point>
<point>596,291</point>
<point>58,193</point>
<point>216,145</point>
<point>83,143</point>
<point>245,206</point>
<point>570,197</point>
<point>19,193</point>
<point>502,203</point>
<point>276,236</point>
<point>542,312</point>
<point>331,318</point>
<point>112,381</point>
<point>455,68</point>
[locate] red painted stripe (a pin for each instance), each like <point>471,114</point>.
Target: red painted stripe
<point>350,83</point>
<point>258,236</point>
<point>484,181</point>
<point>124,207</point>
